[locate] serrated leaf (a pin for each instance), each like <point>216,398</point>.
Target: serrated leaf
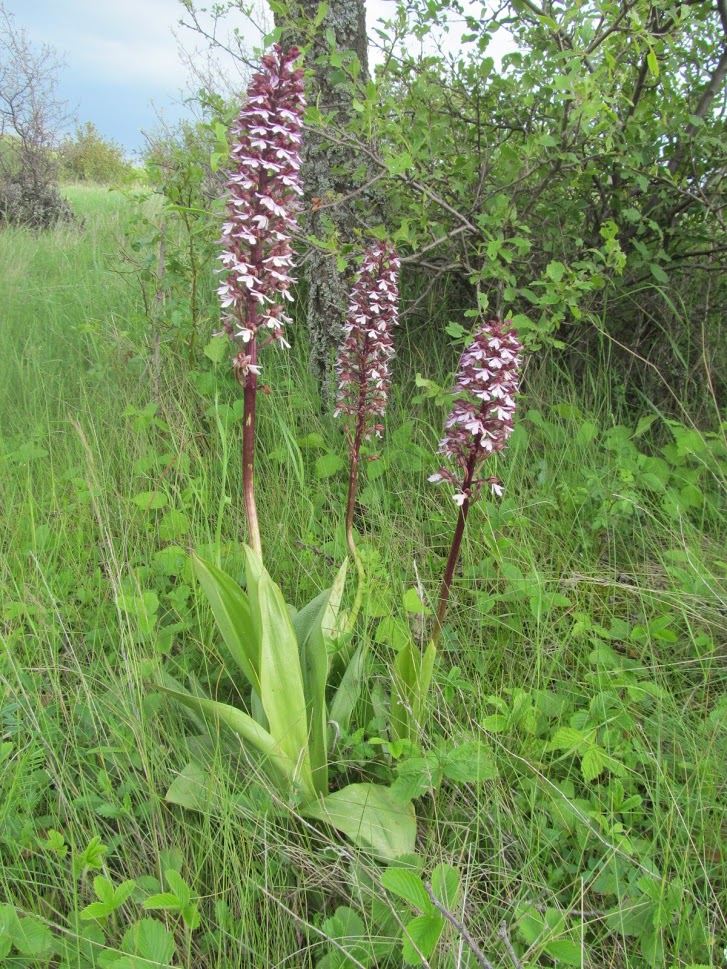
<point>566,738</point>
<point>31,937</point>
<point>421,936</point>
<point>150,939</point>
<point>407,885</point>
<point>495,723</point>
<point>178,885</point>
<point>162,901</point>
<point>555,271</point>
<point>658,273</point>
<point>470,763</point>
<point>594,762</point>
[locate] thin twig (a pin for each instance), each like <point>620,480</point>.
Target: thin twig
<point>505,936</point>
<point>461,928</point>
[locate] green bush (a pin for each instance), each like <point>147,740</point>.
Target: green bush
<point>89,157</point>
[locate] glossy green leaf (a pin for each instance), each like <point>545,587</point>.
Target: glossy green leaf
<point>370,817</point>
<point>244,726</point>
<point>281,681</point>
<point>331,623</point>
<point>410,688</point>
<point>349,690</point>
<point>314,668</point>
<point>231,609</point>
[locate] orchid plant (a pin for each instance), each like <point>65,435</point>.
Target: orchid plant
<point>478,426</point>
<point>363,372</point>
<point>285,655</point>
<point>292,707</point>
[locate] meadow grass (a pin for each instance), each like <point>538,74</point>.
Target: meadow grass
<point>591,599</point>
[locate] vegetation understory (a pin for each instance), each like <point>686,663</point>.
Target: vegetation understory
<point>584,650</point>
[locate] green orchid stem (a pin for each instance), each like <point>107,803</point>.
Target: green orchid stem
<point>454,550</point>
<point>352,484</point>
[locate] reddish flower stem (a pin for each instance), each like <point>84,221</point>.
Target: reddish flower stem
<point>351,504</point>
<point>456,545</point>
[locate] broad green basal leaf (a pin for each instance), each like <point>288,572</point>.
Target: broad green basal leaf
<point>370,817</point>
<point>243,725</point>
<point>281,680</point>
<point>231,609</point>
<point>314,668</point>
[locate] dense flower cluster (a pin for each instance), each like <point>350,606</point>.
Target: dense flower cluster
<point>263,200</point>
<point>481,420</point>
<point>364,357</point>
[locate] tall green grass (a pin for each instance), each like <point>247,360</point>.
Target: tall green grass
<point>584,592</point>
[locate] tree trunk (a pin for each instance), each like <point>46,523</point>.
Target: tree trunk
<point>327,171</point>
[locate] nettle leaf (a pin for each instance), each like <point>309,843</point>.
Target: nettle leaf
<point>421,936</point>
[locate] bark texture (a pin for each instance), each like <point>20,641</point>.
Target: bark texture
<point>327,171</point>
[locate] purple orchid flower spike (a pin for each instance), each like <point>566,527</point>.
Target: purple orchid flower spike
<point>479,425</point>
<point>363,369</point>
<point>264,192</point>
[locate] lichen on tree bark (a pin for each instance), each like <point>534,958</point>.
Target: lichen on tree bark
<point>327,171</point>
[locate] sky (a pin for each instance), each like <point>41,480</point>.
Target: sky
<point>122,62</point>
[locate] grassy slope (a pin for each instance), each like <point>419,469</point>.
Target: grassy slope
<point>582,555</point>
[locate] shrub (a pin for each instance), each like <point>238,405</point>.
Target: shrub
<point>89,157</point>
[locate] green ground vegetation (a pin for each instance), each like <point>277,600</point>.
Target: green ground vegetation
<point>584,648</point>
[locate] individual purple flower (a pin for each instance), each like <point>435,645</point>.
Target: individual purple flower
<point>479,425</point>
<point>264,192</point>
<point>364,357</point>
<point>363,369</point>
<point>481,420</point>
<point>263,199</point>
